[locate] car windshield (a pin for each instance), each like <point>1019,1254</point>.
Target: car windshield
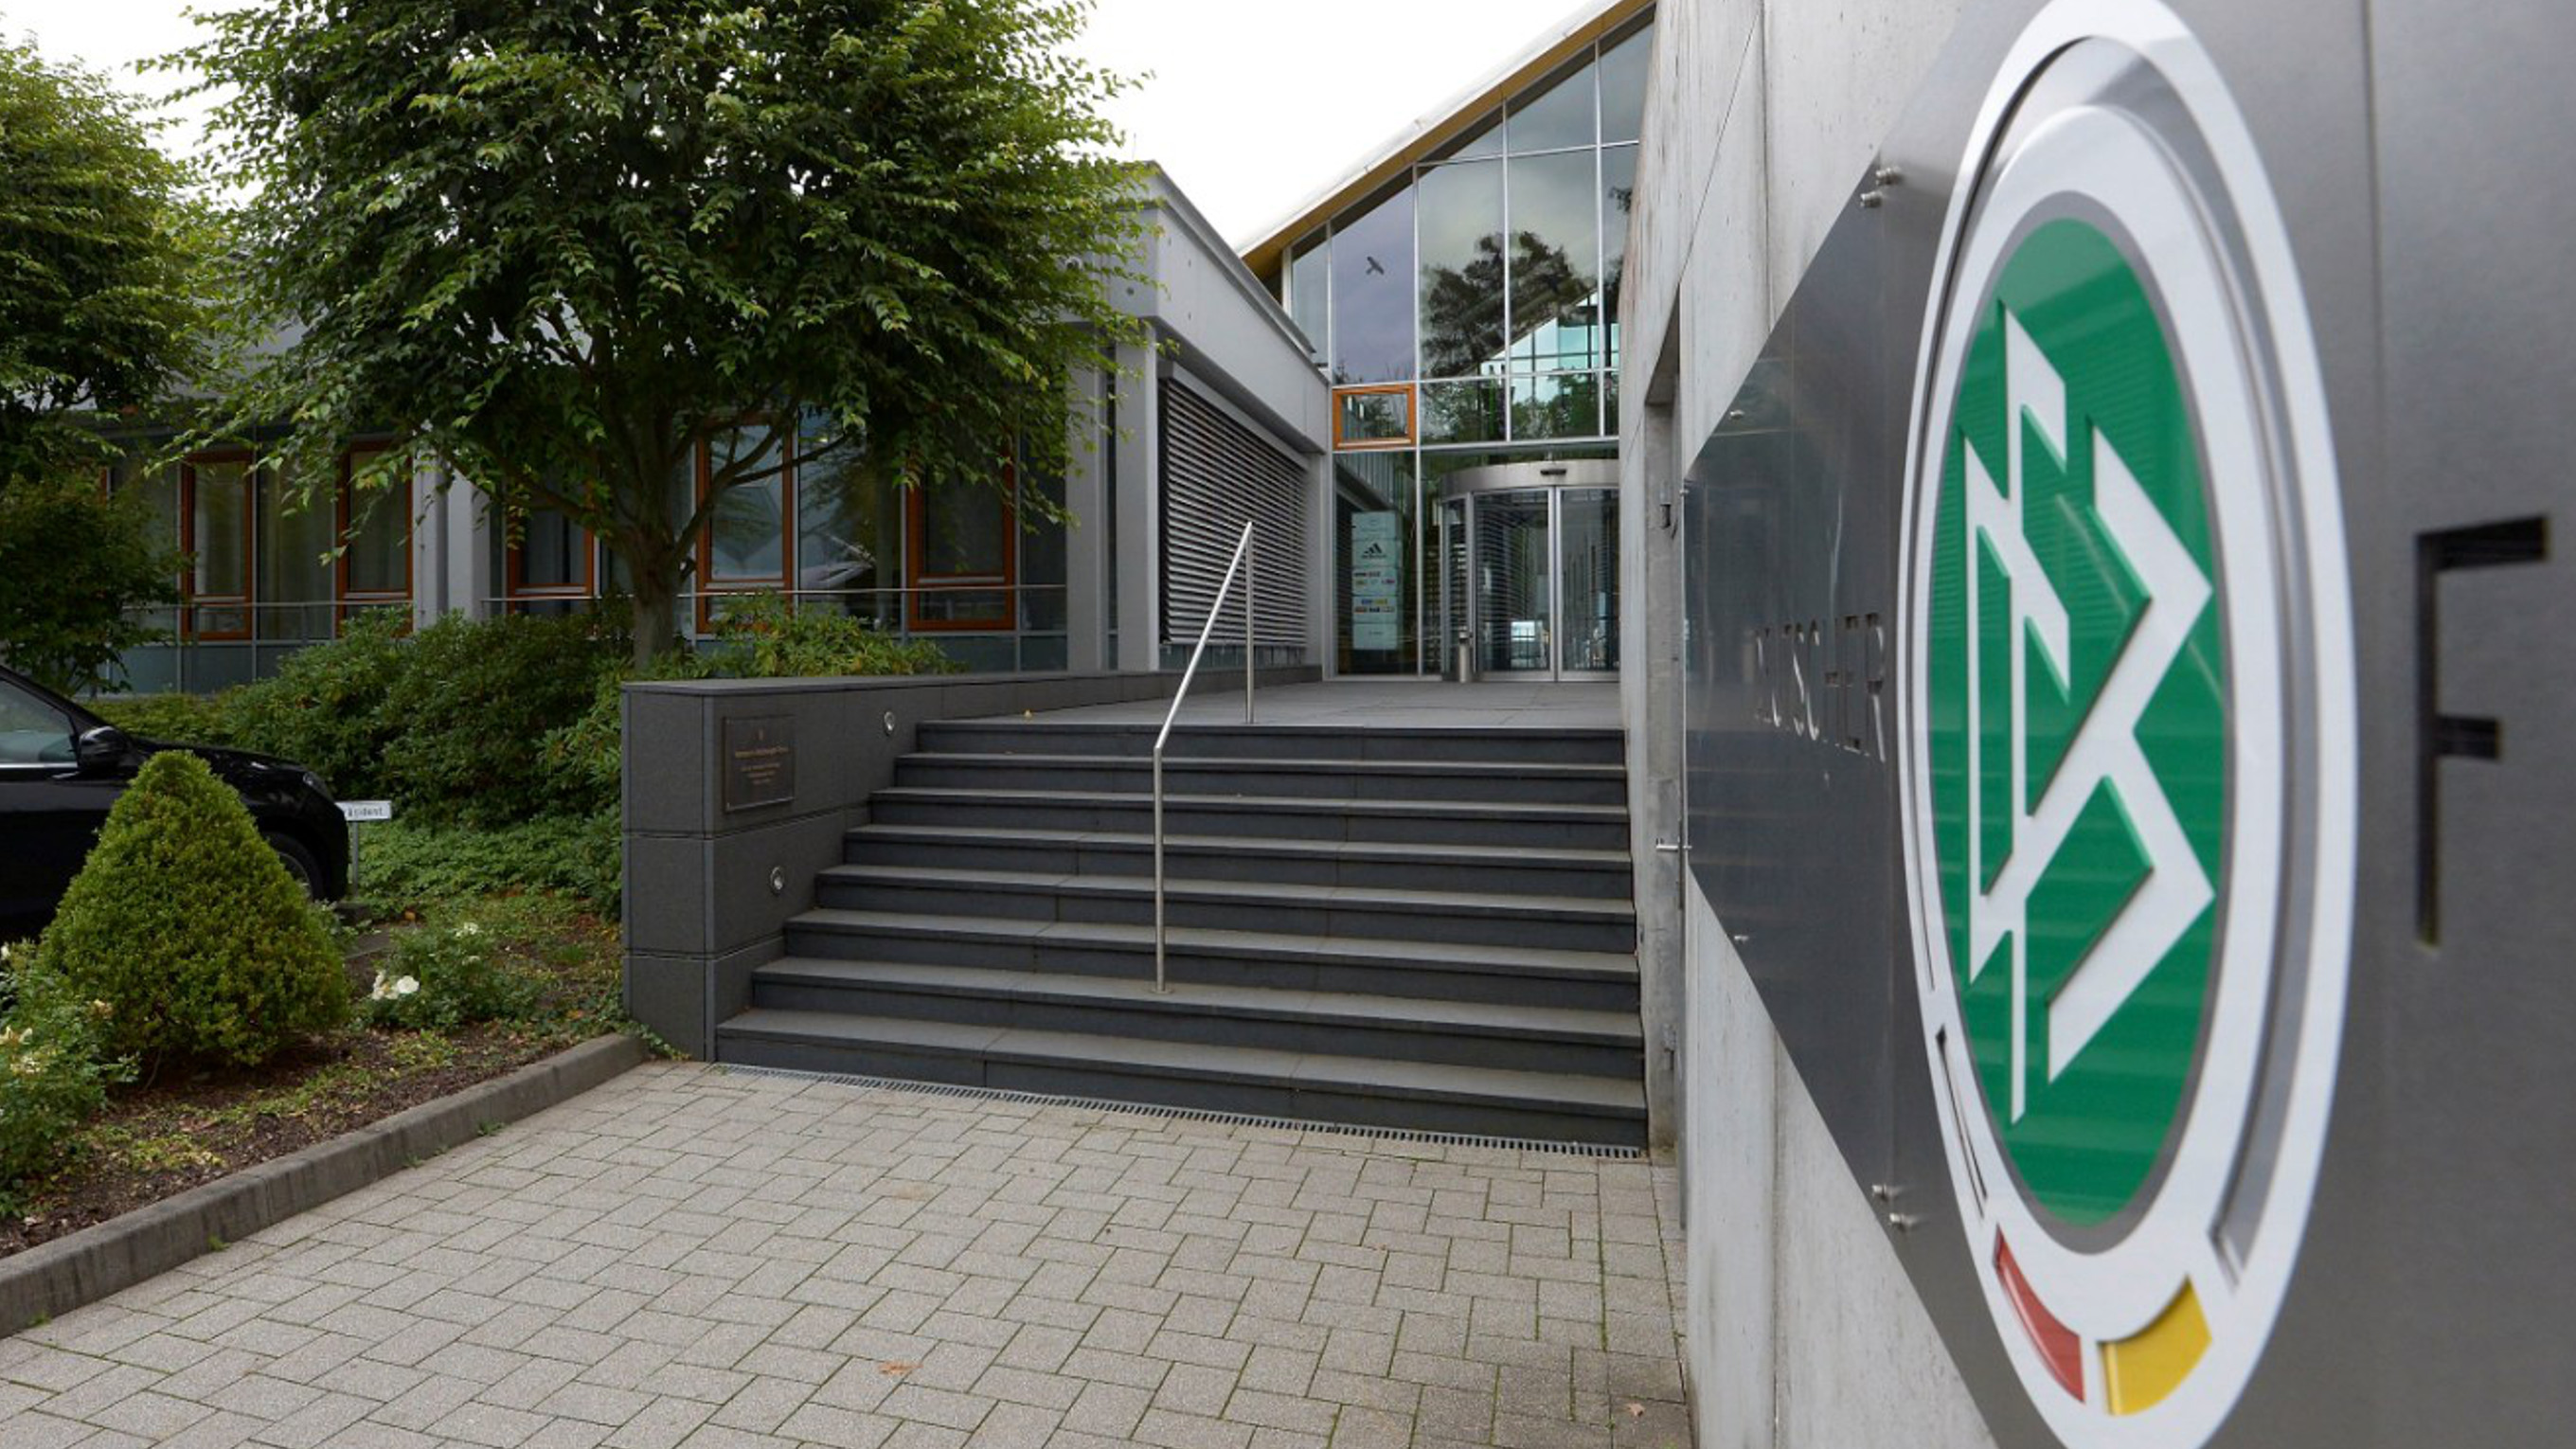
<point>33,730</point>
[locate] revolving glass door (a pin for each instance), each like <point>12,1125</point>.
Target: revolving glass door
<point>1530,576</point>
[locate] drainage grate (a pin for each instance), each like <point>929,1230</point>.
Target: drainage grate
<point>1192,1114</point>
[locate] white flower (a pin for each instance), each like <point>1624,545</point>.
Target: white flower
<point>381,990</point>
<point>406,986</point>
<point>469,929</point>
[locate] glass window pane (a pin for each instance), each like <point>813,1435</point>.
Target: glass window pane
<point>380,543</point>
<point>1558,117</point>
<point>1556,262</point>
<point>965,533</point>
<point>966,537</point>
<point>223,555</point>
<point>747,539</point>
<point>1618,194</point>
<point>1462,412</point>
<point>1462,268</point>
<point>849,524</point>
<point>32,732</point>
<point>1559,405</point>
<point>1042,563</point>
<point>551,552</point>
<point>1372,417</point>
<point>160,490</point>
<point>1373,294</point>
<point>294,563</point>
<point>1374,500</point>
<point>1587,638</point>
<point>1623,86</point>
<point>1310,291</point>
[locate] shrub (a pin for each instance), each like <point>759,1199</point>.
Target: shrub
<point>196,719</point>
<point>325,706</point>
<point>441,978</point>
<point>186,925</point>
<point>473,703</point>
<point>51,1075</point>
<point>410,864</point>
<point>759,637</point>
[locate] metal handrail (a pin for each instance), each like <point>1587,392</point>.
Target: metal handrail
<point>1242,560</point>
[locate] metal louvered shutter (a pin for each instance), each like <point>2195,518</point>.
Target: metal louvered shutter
<point>1216,474</point>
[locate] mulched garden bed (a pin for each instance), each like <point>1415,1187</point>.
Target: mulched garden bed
<point>160,1138</point>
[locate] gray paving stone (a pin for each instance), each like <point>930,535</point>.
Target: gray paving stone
<point>686,1259</point>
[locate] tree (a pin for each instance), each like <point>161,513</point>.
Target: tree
<point>101,309</point>
<point>76,564</point>
<point>100,303</point>
<point>562,247</point>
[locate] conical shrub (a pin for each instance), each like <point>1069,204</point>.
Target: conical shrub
<point>184,922</point>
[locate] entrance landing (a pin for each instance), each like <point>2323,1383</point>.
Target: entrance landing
<point>1397,704</point>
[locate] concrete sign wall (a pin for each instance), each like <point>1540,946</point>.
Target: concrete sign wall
<point>2122,755</point>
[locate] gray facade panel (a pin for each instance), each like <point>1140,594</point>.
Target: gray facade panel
<point>2432,1272</point>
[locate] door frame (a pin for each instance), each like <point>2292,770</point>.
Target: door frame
<point>1555,479</point>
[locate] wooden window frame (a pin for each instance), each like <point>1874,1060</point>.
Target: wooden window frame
<point>516,595</point>
<point>346,600</point>
<point>917,580</point>
<point>710,588</point>
<point>1412,418</point>
<point>190,601</point>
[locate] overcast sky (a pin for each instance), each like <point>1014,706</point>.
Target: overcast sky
<point>1252,108</point>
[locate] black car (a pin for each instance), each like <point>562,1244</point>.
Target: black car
<point>61,767</point>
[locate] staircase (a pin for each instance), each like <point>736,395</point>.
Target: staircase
<point>1419,928</point>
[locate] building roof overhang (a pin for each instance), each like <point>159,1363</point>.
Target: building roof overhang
<point>1442,125</point>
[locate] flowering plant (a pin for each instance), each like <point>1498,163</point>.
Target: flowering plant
<point>51,1074</point>
<point>441,978</point>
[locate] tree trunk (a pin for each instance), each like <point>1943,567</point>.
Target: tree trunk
<point>657,624</point>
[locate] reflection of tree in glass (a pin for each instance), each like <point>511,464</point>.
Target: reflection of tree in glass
<point>1462,313</point>
<point>1462,307</point>
<point>1622,198</point>
<point>1462,412</point>
<point>1546,287</point>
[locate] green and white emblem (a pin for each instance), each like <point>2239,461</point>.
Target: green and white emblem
<point>2128,728</point>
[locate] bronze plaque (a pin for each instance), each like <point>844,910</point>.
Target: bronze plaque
<point>759,762</point>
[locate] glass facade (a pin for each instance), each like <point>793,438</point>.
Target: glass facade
<point>269,567</point>
<point>955,564</point>
<point>1465,315</point>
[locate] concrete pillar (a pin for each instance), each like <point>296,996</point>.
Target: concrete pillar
<point>1086,539</point>
<point>1140,540</point>
<point>1651,700</point>
<point>468,523</point>
<point>1321,535</point>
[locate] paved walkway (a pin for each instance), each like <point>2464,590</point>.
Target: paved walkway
<point>691,1258</point>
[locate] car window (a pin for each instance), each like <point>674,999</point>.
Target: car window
<point>32,732</point>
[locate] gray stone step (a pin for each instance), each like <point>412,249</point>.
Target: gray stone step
<point>1196,741</point>
<point>1571,923</point>
<point>1505,974</point>
<point>1311,779</point>
<point>1387,819</point>
<point>1585,1043</point>
<point>1481,1100</point>
<point>1489,868</point>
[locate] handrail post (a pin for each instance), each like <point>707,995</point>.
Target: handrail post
<point>1251,567</point>
<point>1162,985</point>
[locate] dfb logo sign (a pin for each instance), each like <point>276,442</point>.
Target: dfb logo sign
<point>2126,746</point>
